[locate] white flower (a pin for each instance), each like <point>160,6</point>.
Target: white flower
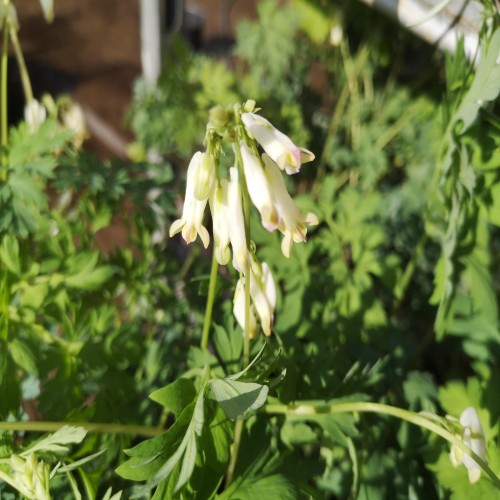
<point>277,145</point>
<point>191,222</point>
<point>34,114</point>
<point>263,294</point>
<point>48,9</point>
<point>219,210</point>
<point>258,187</point>
<point>236,221</point>
<point>205,177</point>
<point>239,309</point>
<point>263,299</point>
<point>293,224</point>
<point>74,119</point>
<point>473,437</point>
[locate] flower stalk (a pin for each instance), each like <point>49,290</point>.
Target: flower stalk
<point>305,408</point>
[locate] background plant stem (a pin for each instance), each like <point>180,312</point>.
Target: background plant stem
<point>134,430</point>
<point>3,101</point>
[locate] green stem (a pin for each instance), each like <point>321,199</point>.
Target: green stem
<point>210,302</point>
<point>246,215</point>
<point>240,424</point>
<point>309,408</point>
<point>238,432</point>
<point>23,71</point>
<point>400,290</point>
<point>138,430</point>
<point>3,101</point>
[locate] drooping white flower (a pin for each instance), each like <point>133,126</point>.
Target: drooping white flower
<point>74,119</point>
<point>239,309</point>
<point>263,294</point>
<point>220,219</point>
<point>191,222</point>
<point>277,145</point>
<point>236,222</point>
<point>206,177</point>
<point>473,437</point>
<point>34,114</point>
<point>263,299</point>
<point>258,187</point>
<point>293,223</point>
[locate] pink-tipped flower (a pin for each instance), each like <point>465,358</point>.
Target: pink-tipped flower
<point>258,187</point>
<point>293,223</point>
<point>277,145</point>
<point>191,222</point>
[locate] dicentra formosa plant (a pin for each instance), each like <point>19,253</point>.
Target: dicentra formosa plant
<point>256,177</point>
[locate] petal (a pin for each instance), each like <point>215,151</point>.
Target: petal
<point>258,187</point>
<point>176,226</point>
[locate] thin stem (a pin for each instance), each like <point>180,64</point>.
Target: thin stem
<point>240,424</point>
<point>210,302</point>
<point>403,283</point>
<point>308,408</point>
<point>3,101</point>
<point>246,215</point>
<point>238,432</point>
<point>137,430</point>
<point>23,70</point>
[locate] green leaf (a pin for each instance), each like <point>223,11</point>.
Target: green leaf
<point>275,486</point>
<point>175,396</point>
<point>486,83</point>
<point>79,463</point>
<point>89,276</point>
<point>315,20</point>
<point>148,456</point>
<point>23,355</point>
<point>238,399</point>
<point>9,254</point>
<point>55,442</point>
<point>10,386</point>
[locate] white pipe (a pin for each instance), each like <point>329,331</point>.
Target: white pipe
<point>151,39</point>
<point>443,28</point>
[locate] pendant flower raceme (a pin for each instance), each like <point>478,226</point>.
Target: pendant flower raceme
<point>255,178</point>
<point>473,437</point>
<point>277,145</point>
<point>191,222</point>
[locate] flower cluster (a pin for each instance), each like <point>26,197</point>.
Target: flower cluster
<point>260,177</point>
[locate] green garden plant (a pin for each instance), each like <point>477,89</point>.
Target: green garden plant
<point>357,364</point>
